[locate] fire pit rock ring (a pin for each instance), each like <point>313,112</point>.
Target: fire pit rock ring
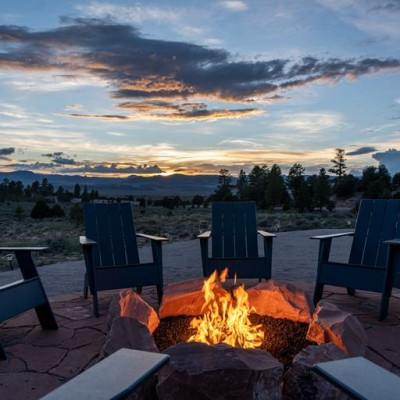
<point>199,371</point>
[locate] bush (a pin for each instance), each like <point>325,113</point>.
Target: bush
<point>57,211</point>
<point>40,210</point>
<point>76,214</point>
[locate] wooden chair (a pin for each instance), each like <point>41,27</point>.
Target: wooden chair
<point>234,242</point>
<point>374,262</point>
<point>111,252</point>
<point>27,293</point>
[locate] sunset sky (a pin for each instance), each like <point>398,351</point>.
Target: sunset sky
<point>141,87</point>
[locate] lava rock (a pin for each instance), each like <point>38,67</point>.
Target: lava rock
<point>219,372</point>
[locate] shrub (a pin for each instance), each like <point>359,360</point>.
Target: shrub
<point>57,211</point>
<point>40,210</point>
<point>76,214</point>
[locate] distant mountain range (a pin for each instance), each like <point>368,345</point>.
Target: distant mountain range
<point>177,184</point>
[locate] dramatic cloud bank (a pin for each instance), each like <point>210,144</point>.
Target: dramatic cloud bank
<point>389,158</point>
<point>159,79</point>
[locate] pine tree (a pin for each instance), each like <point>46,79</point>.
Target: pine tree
<point>339,164</point>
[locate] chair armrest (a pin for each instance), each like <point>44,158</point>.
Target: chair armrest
<point>15,249</point>
<point>392,242</point>
<point>151,237</point>
<point>332,236</point>
<point>266,234</point>
<point>84,241</point>
<point>204,235</point>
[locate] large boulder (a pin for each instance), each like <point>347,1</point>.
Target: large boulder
<point>185,298</point>
<point>128,333</point>
<point>302,383</point>
<point>131,305</point>
<point>281,300</point>
<point>331,324</point>
<point>219,372</point>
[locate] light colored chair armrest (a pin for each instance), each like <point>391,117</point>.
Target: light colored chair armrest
<point>15,249</point>
<point>392,242</point>
<point>332,236</point>
<point>204,235</point>
<point>84,241</point>
<point>266,234</point>
<point>151,237</point>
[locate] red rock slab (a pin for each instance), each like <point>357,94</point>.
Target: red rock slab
<point>25,319</point>
<point>385,340</point>
<point>202,372</point>
<point>331,324</point>
<point>26,385</point>
<point>11,365</point>
<point>37,359</point>
<point>128,333</point>
<point>46,337</point>
<point>301,383</point>
<point>280,299</point>
<point>77,360</point>
<point>185,298</point>
<point>76,312</point>
<point>83,337</point>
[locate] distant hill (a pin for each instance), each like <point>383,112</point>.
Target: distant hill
<point>177,184</point>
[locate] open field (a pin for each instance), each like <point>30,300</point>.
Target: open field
<point>61,235</point>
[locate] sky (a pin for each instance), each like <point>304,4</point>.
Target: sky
<point>122,87</point>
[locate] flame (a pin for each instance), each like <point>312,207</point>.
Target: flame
<point>225,319</point>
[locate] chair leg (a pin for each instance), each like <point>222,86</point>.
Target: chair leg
<point>2,353</point>
<point>139,289</point>
<point>351,291</point>
<point>85,287</point>
<point>319,288</point>
<point>384,307</point>
<point>159,293</point>
<point>95,305</point>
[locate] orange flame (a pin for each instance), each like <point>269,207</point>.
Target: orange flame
<point>225,318</point>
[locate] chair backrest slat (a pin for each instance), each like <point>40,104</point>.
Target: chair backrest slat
<point>391,229</point>
<point>377,220</point>
<point>234,230</point>
<point>117,238</point>
<point>129,233</point>
<point>373,238</point>
<point>112,227</point>
<point>104,235</point>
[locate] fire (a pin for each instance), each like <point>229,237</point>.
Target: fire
<point>225,319</point>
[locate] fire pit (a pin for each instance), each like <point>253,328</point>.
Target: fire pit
<point>269,337</point>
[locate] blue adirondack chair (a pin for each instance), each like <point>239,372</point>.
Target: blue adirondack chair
<point>27,293</point>
<point>111,252</point>
<point>374,262</point>
<point>234,242</point>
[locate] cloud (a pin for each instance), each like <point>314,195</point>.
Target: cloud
<point>309,122</point>
<point>234,5</point>
<point>58,159</point>
<point>389,158</point>
<point>361,150</point>
<point>152,72</point>
<point>180,115</point>
<point>7,151</point>
<point>116,168</point>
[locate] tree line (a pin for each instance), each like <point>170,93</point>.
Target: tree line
<point>16,191</point>
<point>269,188</point>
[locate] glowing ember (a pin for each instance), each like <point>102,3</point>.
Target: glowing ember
<point>225,318</point>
